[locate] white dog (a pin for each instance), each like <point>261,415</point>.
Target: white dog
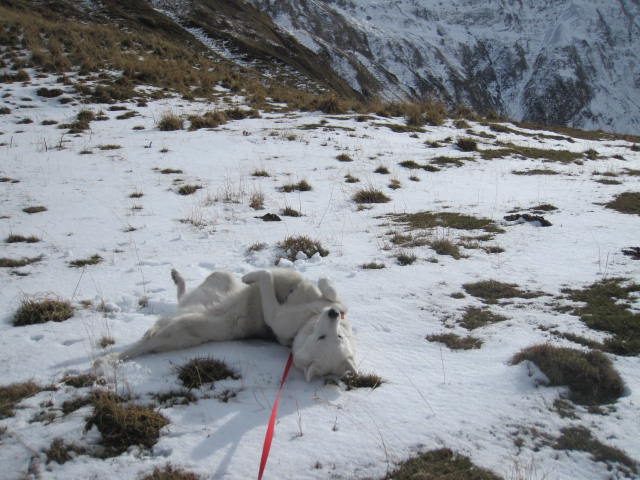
<point>265,304</point>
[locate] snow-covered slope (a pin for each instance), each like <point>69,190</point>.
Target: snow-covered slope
<point>112,192</point>
<point>568,62</point>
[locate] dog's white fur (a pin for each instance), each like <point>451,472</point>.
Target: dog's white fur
<point>278,302</point>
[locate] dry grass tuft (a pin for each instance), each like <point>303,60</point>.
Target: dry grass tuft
<point>188,189</point>
<point>169,472</point>
<point>170,122</point>
<point>290,212</point>
<point>21,239</point>
<point>34,311</point>
<point>445,247</point>
<point>456,342</point>
<point>175,397</point>
<point>203,370</point>
<point>292,245</point>
<point>123,424</point>
<point>580,438</point>
<point>12,395</point>
<point>467,144</point>
<point>370,195</point>
<point>257,201</point>
<point>590,376</point>
<point>83,262</point>
<point>35,209</point>
<point>479,317</point>
<point>211,119</point>
<point>627,202</point>
<point>490,291</point>
<point>301,186</point>
<point>373,266</point>
<point>60,452</point>
<point>608,306</point>
<point>458,221</point>
<point>405,258</point>
<point>440,465</point>
<point>79,381</point>
<point>362,380</point>
<point>23,262</point>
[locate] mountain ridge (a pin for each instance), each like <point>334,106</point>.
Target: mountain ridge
<point>560,63</point>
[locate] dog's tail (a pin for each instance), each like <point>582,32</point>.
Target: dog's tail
<point>179,281</point>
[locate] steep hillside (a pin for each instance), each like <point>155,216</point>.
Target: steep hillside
<point>189,51</point>
<point>554,62</point>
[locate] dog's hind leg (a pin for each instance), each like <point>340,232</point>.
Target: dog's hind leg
<point>264,280</point>
<point>179,281</point>
<point>169,333</point>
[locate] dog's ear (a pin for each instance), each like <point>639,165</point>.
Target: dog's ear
<point>327,289</point>
<point>310,372</point>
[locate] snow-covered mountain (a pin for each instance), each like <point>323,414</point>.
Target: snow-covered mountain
<point>567,62</point>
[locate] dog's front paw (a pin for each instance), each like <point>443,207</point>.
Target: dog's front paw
<point>253,277</point>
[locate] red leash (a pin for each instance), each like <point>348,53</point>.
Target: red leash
<point>272,421</point>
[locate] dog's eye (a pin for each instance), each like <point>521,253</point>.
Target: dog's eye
<point>339,337</point>
<point>322,337</point>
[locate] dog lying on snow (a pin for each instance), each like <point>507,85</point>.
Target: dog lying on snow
<point>276,303</point>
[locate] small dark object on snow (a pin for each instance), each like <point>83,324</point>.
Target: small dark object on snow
<point>270,217</point>
<point>526,217</point>
<point>633,252</point>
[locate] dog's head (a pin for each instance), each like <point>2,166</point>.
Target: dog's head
<point>324,346</point>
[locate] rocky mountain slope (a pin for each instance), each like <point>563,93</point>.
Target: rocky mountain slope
<point>566,62</point>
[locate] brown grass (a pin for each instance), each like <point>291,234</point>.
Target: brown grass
<point>293,244</point>
<point>13,263</point>
<point>169,472</point>
<point>123,424</point>
<point>34,209</point>
<point>370,195</point>
<point>360,380</point>
<point>441,464</point>
<point>12,395</point>
<point>492,290</point>
<point>627,202</point>
<point>479,317</point>
<point>21,239</point>
<point>170,122</point>
<point>83,262</point>
<point>590,376</point>
<point>456,342</point>
<point>203,370</point>
<point>33,311</point>
<point>79,381</point>
<point>60,452</point>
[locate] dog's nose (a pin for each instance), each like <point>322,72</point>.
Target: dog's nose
<point>333,313</point>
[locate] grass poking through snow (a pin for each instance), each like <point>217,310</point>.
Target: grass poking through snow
<point>607,306</point>
<point>490,291</point>
<point>83,262</point>
<point>124,424</point>
<point>12,395</point>
<point>439,465</point>
<point>201,370</point>
<point>370,195</point>
<point>362,380</point>
<point>456,342</point>
<point>294,244</point>
<point>590,376</point>
<point>33,311</point>
<point>479,317</point>
<point>627,202</point>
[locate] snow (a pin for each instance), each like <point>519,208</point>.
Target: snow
<point>473,402</point>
